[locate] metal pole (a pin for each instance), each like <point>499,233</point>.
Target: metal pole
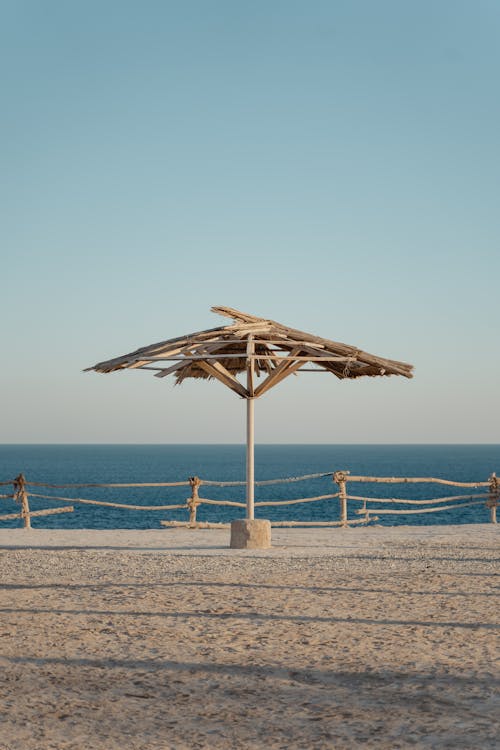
<point>250,429</point>
<point>250,459</point>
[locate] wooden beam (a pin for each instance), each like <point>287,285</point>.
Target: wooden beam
<point>218,371</point>
<point>269,357</point>
<point>52,511</point>
<point>279,373</point>
<point>184,359</point>
<point>169,370</point>
<point>46,512</point>
<point>177,353</point>
<point>250,366</point>
<point>391,365</point>
<point>145,351</point>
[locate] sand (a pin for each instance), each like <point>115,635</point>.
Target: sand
<point>373,638</point>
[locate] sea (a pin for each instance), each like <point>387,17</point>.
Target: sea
<point>75,464</point>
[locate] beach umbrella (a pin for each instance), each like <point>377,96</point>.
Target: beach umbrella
<point>260,350</point>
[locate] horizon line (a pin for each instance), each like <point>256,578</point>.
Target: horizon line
<point>242,444</point>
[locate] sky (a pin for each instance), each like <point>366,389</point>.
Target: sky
<point>332,165</point>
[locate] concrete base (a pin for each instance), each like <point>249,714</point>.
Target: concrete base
<point>247,534</point>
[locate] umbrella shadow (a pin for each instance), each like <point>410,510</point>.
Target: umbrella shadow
<point>183,584</point>
<point>252,616</point>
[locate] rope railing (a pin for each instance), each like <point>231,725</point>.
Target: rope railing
<point>445,503</point>
<point>489,499</point>
<point>415,480</point>
<point>264,482</point>
<point>395,511</point>
<point>113,484</point>
<point>128,506</point>
<point>405,501</point>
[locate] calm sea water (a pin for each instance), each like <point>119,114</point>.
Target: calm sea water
<point>165,463</point>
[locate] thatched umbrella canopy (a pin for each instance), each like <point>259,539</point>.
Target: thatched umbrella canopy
<point>257,347</point>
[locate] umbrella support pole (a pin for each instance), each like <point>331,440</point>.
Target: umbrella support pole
<point>250,459</point>
<point>249,533</point>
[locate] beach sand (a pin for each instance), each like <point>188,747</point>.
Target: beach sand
<point>368,637</point>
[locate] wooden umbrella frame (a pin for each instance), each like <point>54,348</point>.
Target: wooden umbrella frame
<point>252,346</point>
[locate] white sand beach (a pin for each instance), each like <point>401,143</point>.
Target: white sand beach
<point>369,637</point>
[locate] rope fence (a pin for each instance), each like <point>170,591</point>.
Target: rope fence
<point>22,492</point>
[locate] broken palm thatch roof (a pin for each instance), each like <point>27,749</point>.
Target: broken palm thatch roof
<point>255,346</point>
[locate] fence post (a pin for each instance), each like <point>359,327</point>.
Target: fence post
<point>194,500</point>
<point>340,477</point>
<point>492,502</point>
<point>20,495</point>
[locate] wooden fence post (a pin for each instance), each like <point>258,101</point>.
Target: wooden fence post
<point>340,477</point>
<point>20,495</point>
<point>194,500</point>
<point>492,502</point>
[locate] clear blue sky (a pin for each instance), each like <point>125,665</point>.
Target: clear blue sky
<point>331,165</point>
